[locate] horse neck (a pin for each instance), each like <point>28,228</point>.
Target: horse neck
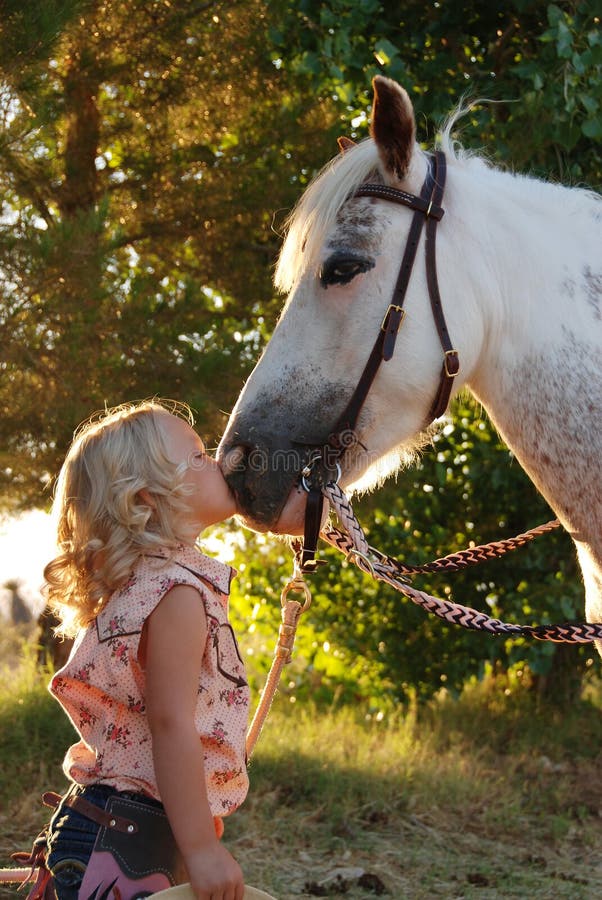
<point>539,375</point>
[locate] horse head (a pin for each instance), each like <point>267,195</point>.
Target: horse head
<point>340,264</point>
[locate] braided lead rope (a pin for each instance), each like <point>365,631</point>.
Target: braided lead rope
<point>355,536</point>
<point>450,563</point>
<point>390,571</point>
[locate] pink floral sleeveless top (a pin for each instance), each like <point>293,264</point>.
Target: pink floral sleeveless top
<point>102,685</point>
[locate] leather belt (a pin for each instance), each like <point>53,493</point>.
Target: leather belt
<point>90,811</point>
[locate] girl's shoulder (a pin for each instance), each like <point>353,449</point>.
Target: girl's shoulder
<point>152,577</point>
<point>216,575</point>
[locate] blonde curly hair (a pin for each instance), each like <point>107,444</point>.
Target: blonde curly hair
<point>103,519</point>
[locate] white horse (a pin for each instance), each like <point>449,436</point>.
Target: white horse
<point>520,276</point>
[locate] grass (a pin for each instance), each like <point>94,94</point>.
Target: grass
<point>483,797</point>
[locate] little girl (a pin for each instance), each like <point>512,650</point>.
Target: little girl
<point>155,686</point>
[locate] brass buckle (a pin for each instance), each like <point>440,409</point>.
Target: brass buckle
<point>447,355</point>
<point>399,309</point>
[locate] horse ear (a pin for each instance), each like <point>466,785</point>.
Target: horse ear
<point>393,127</point>
<point>345,144</point>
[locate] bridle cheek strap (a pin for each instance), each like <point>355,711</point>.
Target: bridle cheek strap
<point>451,360</point>
<point>384,346</point>
<point>427,208</point>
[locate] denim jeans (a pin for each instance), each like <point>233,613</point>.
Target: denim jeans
<point>71,838</point>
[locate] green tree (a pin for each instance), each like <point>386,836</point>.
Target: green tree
<point>541,64</point>
<point>143,150</point>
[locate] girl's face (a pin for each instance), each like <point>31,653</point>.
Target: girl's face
<point>211,500</point>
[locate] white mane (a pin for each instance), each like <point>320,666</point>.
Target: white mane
<point>550,196</point>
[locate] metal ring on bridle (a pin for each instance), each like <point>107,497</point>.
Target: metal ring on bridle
<point>307,470</point>
<point>355,555</point>
<point>298,585</point>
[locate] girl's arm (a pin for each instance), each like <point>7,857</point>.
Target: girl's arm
<point>174,642</point>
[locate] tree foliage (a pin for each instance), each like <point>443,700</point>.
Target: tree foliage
<point>139,145</point>
<point>540,63</point>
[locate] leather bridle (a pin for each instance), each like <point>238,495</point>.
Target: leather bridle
<point>427,209</point>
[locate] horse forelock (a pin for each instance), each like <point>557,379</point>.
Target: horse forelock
<point>316,212</point>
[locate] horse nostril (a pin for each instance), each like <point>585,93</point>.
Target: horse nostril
<point>233,460</point>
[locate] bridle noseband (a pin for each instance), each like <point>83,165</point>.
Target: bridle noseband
<point>427,209</point>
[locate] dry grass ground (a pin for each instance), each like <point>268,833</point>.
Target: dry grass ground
<point>485,797</point>
<point>424,812</point>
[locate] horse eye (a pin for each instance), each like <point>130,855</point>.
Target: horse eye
<point>341,269</point>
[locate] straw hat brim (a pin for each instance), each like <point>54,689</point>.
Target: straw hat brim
<point>184,892</point>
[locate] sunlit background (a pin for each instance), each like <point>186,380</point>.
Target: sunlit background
<point>26,545</point>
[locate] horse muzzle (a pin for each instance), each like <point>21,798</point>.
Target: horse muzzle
<point>261,472</point>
